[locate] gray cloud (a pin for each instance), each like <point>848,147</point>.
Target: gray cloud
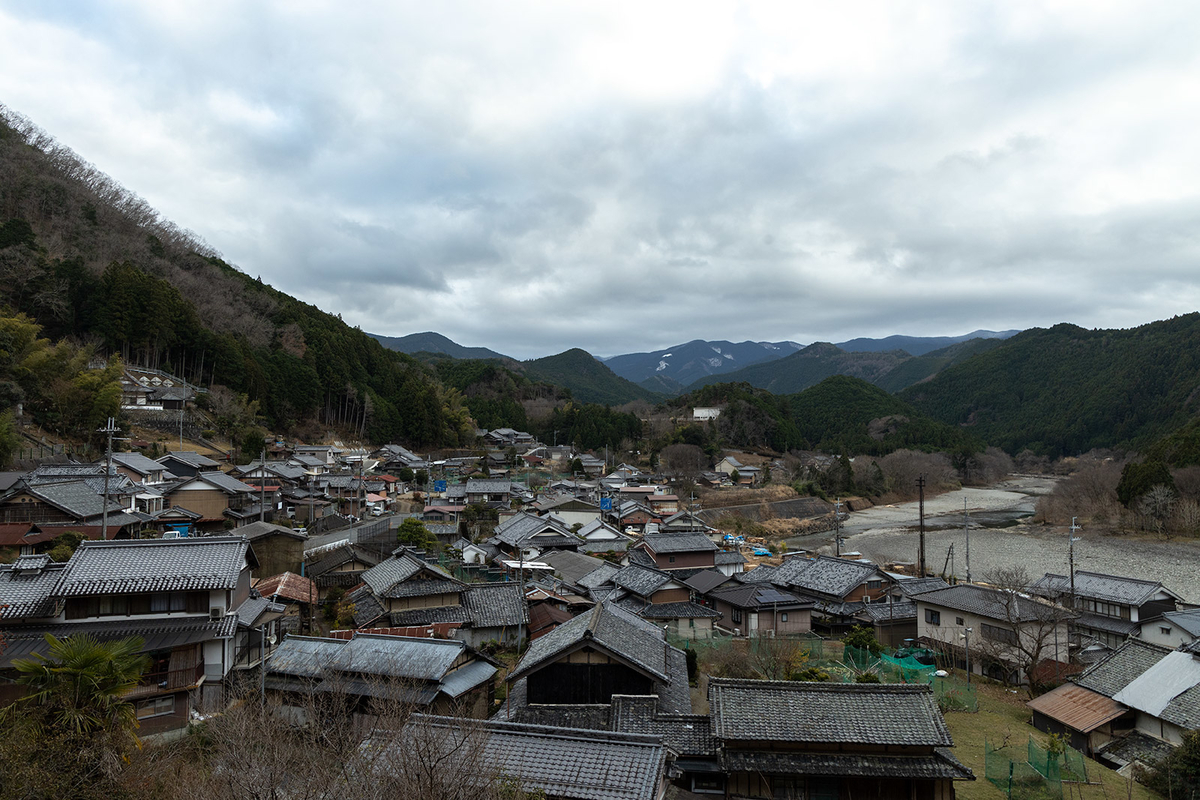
<point>536,177</point>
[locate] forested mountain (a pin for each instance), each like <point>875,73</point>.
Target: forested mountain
<point>918,345</point>
<point>923,367</point>
<point>686,363</point>
<point>588,380</point>
<point>1066,390</point>
<point>430,342</point>
<point>86,259</point>
<point>845,414</point>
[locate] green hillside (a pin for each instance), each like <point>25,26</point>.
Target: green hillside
<point>922,368</point>
<point>587,379</point>
<point>86,259</point>
<point>1066,390</point>
<point>845,414</point>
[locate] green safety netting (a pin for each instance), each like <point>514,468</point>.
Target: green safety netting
<point>1068,765</point>
<point>1035,774</point>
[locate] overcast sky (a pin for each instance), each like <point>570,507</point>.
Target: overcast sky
<point>629,176</point>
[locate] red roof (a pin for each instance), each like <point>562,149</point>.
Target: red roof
<point>289,586</point>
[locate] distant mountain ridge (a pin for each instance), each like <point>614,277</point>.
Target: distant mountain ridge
<point>918,345</point>
<point>431,342</point>
<point>891,370</point>
<point>686,363</point>
<point>588,380</point>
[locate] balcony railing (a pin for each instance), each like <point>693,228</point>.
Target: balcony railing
<point>168,681</point>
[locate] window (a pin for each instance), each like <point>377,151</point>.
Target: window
<point>691,623</point>
<point>959,621</point>
<point>933,617</point>
<point>671,559</point>
<point>874,584</point>
<point>736,616</point>
<point>998,634</point>
<point>783,617</point>
<point>156,707</point>
<point>1165,631</point>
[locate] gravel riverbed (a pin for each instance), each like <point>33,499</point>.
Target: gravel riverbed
<point>890,534</point>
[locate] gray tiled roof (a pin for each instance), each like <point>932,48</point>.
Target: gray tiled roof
<point>1188,621</point>
<point>496,605</point>
<point>572,566</point>
<point>997,604</point>
<point>467,677</point>
<point>727,557</point>
<point>27,587</point>
<point>398,656</point>
<point>429,616</point>
<point>342,555</point>
<point>191,458</point>
<point>387,578</point>
<point>367,608</point>
<point>911,586</point>
<point>76,498</point>
<point>154,565</point>
<point>888,612</point>
<point>679,543</point>
<point>137,462</point>
<point>1098,586</point>
<point>827,575</point>
<point>226,483</point>
<point>599,577</point>
<point>678,610</point>
<point>259,530</point>
<point>757,595</point>
<point>939,764</point>
<point>706,580</point>
<point>605,627</point>
<point>1184,709</point>
<point>685,734</point>
<point>642,558</point>
<point>254,607</point>
<point>821,713</point>
<point>304,656</point>
<point>640,580</point>
<point>1121,667</point>
<point>564,763</point>
<point>521,528</point>
<point>1135,746</point>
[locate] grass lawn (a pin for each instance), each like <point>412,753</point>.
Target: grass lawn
<point>1004,715</point>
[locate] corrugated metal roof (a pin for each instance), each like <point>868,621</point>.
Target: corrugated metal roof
<point>1078,708</point>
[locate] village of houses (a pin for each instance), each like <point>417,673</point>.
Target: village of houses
<point>568,627</point>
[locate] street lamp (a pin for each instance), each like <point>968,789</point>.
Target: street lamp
<point>967,636</point>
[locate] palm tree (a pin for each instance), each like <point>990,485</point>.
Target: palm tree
<point>82,682</point>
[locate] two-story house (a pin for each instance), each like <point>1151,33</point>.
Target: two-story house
<point>1005,634</point>
<point>180,596</point>
<point>211,495</point>
<point>672,551</point>
<point>838,587</point>
<point>406,591</point>
<point>1110,608</point>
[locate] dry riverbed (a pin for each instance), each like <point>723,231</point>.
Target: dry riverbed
<point>1003,536</point>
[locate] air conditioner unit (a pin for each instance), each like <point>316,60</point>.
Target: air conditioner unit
<point>216,613</point>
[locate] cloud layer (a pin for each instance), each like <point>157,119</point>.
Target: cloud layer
<point>537,176</point>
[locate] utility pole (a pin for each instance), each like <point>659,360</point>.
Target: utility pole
<point>262,486</point>
<point>108,429</point>
<point>967,636</point>
<point>921,544</point>
<point>1071,540</point>
<point>967,533</point>
<point>837,527</point>
<point>181,429</point>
